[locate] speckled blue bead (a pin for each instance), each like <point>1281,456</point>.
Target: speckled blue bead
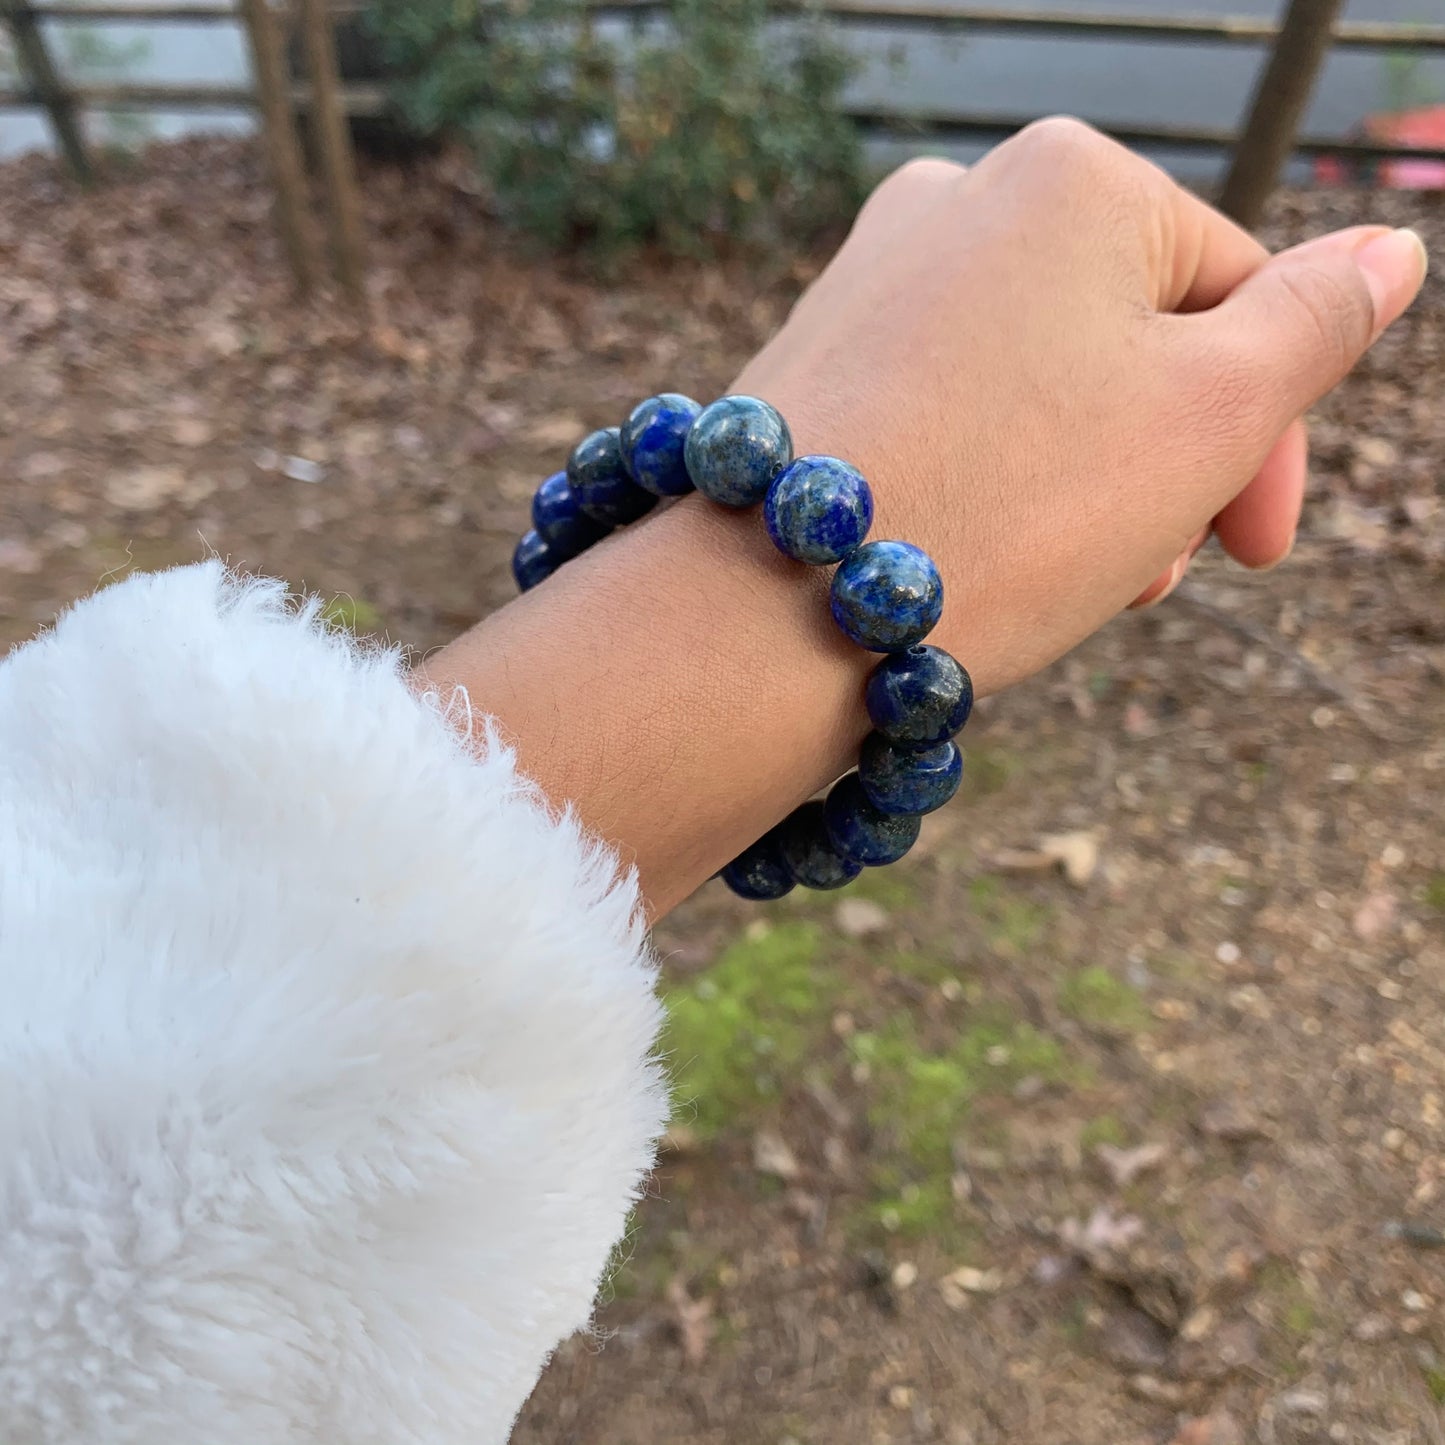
<point>809,852</point>
<point>862,832</point>
<point>887,596</point>
<point>653,439</point>
<point>818,510</point>
<point>759,872</point>
<point>604,490</point>
<point>533,561</point>
<point>735,448</point>
<point>903,780</point>
<point>560,521</point>
<point>920,697</point>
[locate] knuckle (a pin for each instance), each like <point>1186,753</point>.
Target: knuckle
<point>1061,138</point>
<point>912,183</point>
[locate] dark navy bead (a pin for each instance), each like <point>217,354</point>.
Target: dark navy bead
<point>560,521</point>
<point>887,596</point>
<point>809,853</point>
<point>604,490</point>
<point>533,561</point>
<point>902,780</point>
<point>735,449</point>
<point>653,438</point>
<point>759,872</point>
<point>919,698</point>
<point>818,510</point>
<point>861,832</point>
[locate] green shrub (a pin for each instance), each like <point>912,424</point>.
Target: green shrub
<point>718,125</point>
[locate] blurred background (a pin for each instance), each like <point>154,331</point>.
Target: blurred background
<point>1116,1114</point>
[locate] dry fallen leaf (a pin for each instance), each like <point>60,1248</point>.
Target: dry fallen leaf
<point>1124,1166</point>
<point>692,1319</point>
<point>771,1155</point>
<point>1076,855</point>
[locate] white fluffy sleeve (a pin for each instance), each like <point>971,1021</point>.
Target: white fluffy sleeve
<point>326,1073</point>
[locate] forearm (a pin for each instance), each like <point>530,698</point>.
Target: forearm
<point>682,686</point>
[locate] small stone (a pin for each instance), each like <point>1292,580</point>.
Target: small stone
<point>300,469</point>
<point>1414,1301</point>
<point>1227,953</point>
<point>1199,1325</point>
<point>1219,1428</point>
<point>858,917</point>
<point>1302,1402</point>
<point>905,1274</point>
<point>1391,989</point>
<point>1393,1140</point>
<point>900,1397</point>
<point>1392,855</point>
<point>1373,1328</point>
<point>1374,916</point>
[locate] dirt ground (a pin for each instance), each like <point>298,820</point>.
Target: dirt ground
<point>1114,1117</point>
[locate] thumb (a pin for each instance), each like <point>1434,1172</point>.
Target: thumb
<point>1304,319</point>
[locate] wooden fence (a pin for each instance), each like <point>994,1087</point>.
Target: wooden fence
<point>1297,47</point>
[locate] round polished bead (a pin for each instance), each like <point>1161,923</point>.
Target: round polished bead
<point>559,520</point>
<point>818,510</point>
<point>653,439</point>
<point>533,561</point>
<point>604,490</point>
<point>809,852</point>
<point>920,697</point>
<point>735,448</point>
<point>887,596</point>
<point>759,872</point>
<point>908,780</point>
<point>862,832</point>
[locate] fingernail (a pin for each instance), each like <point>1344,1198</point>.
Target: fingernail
<point>1394,267</point>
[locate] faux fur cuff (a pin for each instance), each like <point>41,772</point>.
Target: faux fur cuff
<point>326,1075</point>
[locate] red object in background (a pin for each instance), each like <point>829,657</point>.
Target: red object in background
<point>1422,127</point>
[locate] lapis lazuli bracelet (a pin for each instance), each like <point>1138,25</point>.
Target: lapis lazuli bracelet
<point>886,597</point>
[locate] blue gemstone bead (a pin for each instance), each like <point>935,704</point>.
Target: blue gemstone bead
<point>919,698</point>
<point>887,596</point>
<point>809,852</point>
<point>861,832</point>
<point>560,521</point>
<point>818,510</point>
<point>759,872</point>
<point>652,440</point>
<point>735,449</point>
<point>904,780</point>
<point>533,561</point>
<point>604,490</point>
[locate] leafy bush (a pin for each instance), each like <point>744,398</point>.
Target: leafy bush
<point>718,124</point>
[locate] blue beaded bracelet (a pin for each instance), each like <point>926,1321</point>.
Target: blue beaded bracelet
<point>885,596</point>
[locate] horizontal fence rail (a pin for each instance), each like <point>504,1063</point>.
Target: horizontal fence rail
<point>361,100</point>
<point>1222,29</point>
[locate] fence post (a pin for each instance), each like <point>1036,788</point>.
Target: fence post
<point>332,134</point>
<point>283,149</point>
<point>1279,103</point>
<point>36,64</point>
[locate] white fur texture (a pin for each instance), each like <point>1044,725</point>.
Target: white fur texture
<point>326,1076</point>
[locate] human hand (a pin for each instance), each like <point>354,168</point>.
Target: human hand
<point>1061,370</point>
<point>1058,370</point>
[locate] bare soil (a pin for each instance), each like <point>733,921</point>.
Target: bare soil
<point>1152,1155</point>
